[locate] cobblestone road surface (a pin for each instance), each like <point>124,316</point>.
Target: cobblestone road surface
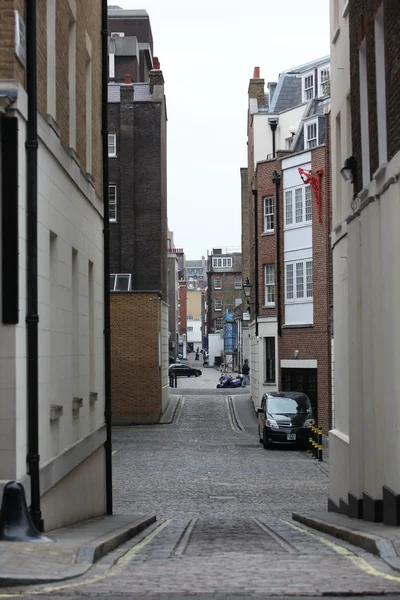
<point>224,531</point>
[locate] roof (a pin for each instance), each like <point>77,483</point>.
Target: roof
<point>309,66</point>
<point>287,93</point>
<point>117,11</point>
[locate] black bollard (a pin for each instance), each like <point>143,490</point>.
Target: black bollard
<point>16,524</point>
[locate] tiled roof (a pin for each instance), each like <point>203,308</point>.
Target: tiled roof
<point>288,95</point>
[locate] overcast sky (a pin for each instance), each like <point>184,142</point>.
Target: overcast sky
<point>207,52</point>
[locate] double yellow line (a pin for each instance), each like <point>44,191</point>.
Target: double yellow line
<point>118,566</point>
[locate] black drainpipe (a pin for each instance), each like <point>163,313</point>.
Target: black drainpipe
<point>255,196</point>
<point>32,317</point>
<point>106,231</point>
<point>276,179</point>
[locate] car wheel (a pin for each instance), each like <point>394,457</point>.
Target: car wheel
<point>219,385</point>
<point>198,373</point>
<point>265,442</point>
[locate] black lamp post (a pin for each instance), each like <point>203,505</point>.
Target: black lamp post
<point>276,179</point>
<point>247,287</point>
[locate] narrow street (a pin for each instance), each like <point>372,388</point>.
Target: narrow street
<point>224,525</point>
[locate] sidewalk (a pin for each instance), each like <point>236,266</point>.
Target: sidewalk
<point>72,551</point>
<point>379,539</point>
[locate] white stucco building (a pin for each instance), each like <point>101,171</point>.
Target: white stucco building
<point>70,280</point>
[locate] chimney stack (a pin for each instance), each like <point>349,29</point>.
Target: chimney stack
<point>256,87</point>
<point>156,78</point>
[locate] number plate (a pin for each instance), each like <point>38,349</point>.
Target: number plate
<point>291,436</point>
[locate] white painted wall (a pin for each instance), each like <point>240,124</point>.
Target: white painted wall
<point>215,346</point>
<point>267,327</point>
<point>164,355</point>
<point>195,335</point>
<point>71,315</point>
<point>263,134</point>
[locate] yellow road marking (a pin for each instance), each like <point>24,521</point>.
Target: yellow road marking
<point>356,560</point>
<point>120,563</point>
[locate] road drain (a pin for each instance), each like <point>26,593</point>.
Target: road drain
<point>223,497</point>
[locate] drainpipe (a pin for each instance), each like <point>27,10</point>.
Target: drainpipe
<point>106,231</point>
<point>32,317</point>
<point>276,179</point>
<point>255,196</point>
<point>273,123</point>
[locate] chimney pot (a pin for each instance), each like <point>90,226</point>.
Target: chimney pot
<point>256,74</point>
<point>128,79</point>
<point>156,63</point>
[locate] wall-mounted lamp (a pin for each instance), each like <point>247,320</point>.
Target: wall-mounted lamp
<point>296,354</point>
<point>292,130</point>
<point>349,171</point>
<point>247,288</point>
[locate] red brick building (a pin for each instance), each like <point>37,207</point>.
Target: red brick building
<point>290,345</point>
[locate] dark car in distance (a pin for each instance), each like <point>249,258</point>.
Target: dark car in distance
<point>183,370</point>
<point>284,418</point>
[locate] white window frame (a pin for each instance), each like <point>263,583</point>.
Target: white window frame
<point>111,65</point>
<point>238,283</point>
<point>321,84</point>
<point>219,323</point>
<point>301,281</point>
<point>238,302</point>
<point>307,89</point>
<point>222,262</point>
<point>189,329</point>
<point>217,287</point>
<point>269,214</point>
<point>269,285</point>
<point>116,275</point>
<point>293,210</point>
<point>218,307</point>
<point>112,203</point>
<point>112,137</point>
<point>309,140</point>
<point>380,75</point>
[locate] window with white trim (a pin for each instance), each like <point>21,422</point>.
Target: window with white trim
<point>112,145</point>
<point>120,282</point>
<point>311,135</point>
<point>238,302</point>
<point>307,203</point>
<point>217,303</point>
<point>298,210</point>
<point>190,317</point>
<point>299,281</point>
<point>222,262</point>
<point>238,283</point>
<point>112,203</point>
<point>308,87</point>
<point>189,329</point>
<point>217,283</point>
<point>219,323</point>
<point>268,214</point>
<point>298,200</point>
<point>269,283</point>
<point>325,82</point>
<point>288,207</point>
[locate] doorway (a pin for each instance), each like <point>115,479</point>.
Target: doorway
<point>302,380</point>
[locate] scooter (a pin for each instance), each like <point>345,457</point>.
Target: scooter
<point>226,381</point>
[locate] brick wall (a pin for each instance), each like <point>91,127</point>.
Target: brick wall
<point>361,20</point>
<point>227,294</point>
<point>139,27</point>
<point>182,309</point>
<point>136,389</point>
<point>314,342</point>
<point>10,67</point>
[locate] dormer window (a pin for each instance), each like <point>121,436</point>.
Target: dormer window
<point>308,87</point>
<point>311,134</point>
<point>324,82</point>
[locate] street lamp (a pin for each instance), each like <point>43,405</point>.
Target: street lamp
<point>349,171</point>
<point>247,288</point>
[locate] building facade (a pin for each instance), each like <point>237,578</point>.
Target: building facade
<point>364,483</point>
<point>193,319</point>
<point>286,225</point>
<point>70,267</point>
<point>139,231</point>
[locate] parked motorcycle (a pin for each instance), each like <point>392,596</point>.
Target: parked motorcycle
<point>227,381</point>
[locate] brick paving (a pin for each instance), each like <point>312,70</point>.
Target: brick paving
<point>228,531</point>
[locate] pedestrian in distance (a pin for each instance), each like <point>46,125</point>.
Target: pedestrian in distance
<point>246,373</point>
<point>197,356</point>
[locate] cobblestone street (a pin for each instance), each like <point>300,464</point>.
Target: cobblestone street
<point>224,526</point>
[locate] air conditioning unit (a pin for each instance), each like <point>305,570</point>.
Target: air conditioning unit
<point>117,34</point>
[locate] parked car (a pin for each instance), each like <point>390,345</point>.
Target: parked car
<point>182,370</point>
<point>284,418</point>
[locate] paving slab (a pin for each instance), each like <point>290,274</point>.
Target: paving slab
<point>379,539</point>
<point>72,551</point>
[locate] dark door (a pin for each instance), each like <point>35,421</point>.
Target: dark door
<point>302,380</point>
